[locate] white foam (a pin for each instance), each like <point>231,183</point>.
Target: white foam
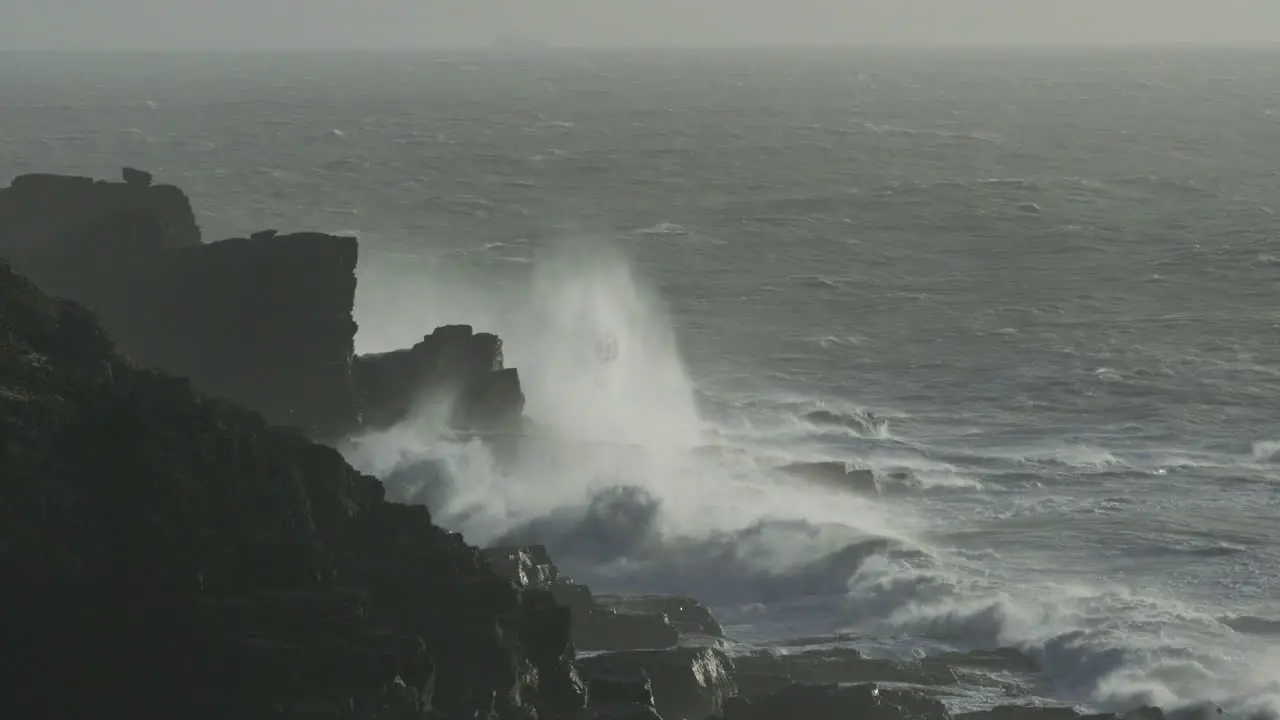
<point>615,486</point>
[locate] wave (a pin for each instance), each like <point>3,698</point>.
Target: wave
<point>639,482</point>
<point>1266,450</point>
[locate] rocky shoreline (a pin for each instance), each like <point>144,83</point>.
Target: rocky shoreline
<point>179,538</point>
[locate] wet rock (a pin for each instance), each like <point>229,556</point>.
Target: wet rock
<point>688,616</point>
<point>836,475</point>
<point>1023,712</point>
<point>573,596</point>
<point>619,696</point>
<point>1054,712</point>
<point>607,629</point>
<point>842,665</point>
<point>595,627</point>
<point>526,566</point>
<point>234,569</point>
<point>819,702</point>
<point>531,566</point>
<point>453,365</point>
<point>687,683</point>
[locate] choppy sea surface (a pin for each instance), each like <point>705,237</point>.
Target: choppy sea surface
<point>1048,281</point>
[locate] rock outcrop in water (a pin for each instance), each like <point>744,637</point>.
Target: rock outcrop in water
<point>265,321</point>
<point>453,362</point>
<point>167,554</point>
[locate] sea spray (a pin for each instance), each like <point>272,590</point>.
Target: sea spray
<point>617,480</point>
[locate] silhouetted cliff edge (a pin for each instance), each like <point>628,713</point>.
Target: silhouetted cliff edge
<point>265,321</point>
<point>167,554</point>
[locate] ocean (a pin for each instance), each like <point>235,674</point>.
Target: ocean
<point>1037,289</point>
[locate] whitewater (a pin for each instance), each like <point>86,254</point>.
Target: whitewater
<point>1035,294</point>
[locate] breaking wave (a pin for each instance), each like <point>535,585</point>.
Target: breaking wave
<point>634,485</point>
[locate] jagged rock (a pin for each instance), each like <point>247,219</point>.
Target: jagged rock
<point>134,176</point>
<point>594,627</point>
<point>265,321</point>
<point>836,475</point>
<point>453,364</point>
<point>527,566</point>
<point>688,616</point>
<point>167,554</point>
<point>621,697</point>
<point>76,213</point>
<point>687,683</point>
<point>573,596</point>
<point>841,665</point>
<point>865,702</point>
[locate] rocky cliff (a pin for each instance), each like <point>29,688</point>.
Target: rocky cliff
<point>167,554</point>
<point>265,321</point>
<point>45,210</point>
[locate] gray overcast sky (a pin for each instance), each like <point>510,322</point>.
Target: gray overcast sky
<point>234,24</point>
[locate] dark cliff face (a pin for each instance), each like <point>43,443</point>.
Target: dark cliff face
<point>264,321</point>
<point>453,362</point>
<point>165,552</point>
<point>43,210</point>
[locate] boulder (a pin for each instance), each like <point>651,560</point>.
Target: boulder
<point>688,683</point>
<point>169,554</point>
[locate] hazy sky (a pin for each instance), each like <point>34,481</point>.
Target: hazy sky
<point>203,24</point>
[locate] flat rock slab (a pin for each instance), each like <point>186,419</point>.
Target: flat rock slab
<point>688,683</point>
<point>823,702</point>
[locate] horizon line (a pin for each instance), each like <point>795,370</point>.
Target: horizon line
<point>550,48</point>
